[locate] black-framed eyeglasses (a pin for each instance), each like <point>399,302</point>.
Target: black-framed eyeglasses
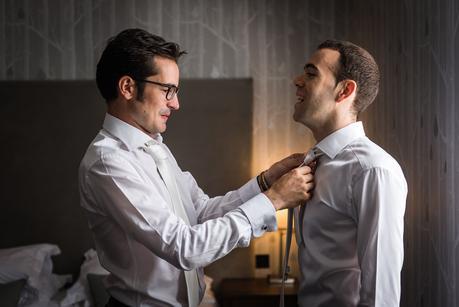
<point>172,90</point>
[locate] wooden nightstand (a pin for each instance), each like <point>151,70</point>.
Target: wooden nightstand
<point>254,292</point>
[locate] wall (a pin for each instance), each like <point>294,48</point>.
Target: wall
<point>414,117</point>
<point>51,39</point>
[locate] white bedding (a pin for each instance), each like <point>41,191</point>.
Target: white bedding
<point>45,289</point>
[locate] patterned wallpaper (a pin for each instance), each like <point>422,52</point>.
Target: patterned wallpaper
<point>414,117</point>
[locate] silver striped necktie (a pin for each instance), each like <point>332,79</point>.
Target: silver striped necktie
<point>311,157</point>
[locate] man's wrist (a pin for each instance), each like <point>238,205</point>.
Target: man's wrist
<point>262,183</point>
<point>266,178</point>
<point>275,199</point>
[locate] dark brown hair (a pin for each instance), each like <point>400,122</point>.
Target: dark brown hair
<point>130,53</point>
<point>357,64</point>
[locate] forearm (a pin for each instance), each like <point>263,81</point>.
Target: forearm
<point>209,208</point>
<point>142,213</point>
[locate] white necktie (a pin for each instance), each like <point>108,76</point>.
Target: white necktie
<point>312,155</point>
<point>163,164</point>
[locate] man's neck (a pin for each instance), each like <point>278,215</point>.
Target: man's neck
<point>123,115</point>
<point>322,131</point>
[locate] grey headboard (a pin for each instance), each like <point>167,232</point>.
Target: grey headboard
<point>47,125</point>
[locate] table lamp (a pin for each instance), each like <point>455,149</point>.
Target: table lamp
<point>282,230</point>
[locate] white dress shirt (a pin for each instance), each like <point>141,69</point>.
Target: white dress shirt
<point>351,246</point>
<point>139,240</point>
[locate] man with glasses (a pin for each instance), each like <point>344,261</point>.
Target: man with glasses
<point>350,233</point>
<point>154,228</point>
<point>172,89</point>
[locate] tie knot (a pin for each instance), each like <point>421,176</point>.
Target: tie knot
<point>312,155</point>
<point>155,149</point>
<point>312,158</point>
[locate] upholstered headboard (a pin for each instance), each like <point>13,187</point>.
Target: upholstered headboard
<point>47,125</point>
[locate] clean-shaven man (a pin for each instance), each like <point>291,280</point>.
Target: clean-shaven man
<point>153,227</point>
<point>350,233</point>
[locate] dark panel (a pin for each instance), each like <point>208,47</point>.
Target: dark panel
<point>47,126</point>
<point>210,135</point>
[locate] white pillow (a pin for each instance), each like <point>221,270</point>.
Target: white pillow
<point>80,292</point>
<point>34,263</point>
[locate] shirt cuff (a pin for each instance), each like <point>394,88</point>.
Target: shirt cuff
<point>261,214</point>
<point>249,190</point>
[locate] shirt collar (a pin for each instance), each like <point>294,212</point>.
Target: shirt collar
<point>131,136</point>
<point>335,142</point>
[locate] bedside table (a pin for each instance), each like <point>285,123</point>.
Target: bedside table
<point>242,292</point>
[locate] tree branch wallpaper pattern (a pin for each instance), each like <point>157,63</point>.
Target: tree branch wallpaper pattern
<point>414,117</point>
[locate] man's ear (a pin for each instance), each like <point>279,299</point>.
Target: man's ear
<point>126,87</point>
<point>347,89</point>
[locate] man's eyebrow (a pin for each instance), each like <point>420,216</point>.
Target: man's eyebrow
<point>310,66</point>
<point>171,84</point>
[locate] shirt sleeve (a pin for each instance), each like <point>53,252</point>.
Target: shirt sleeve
<point>380,198</point>
<point>120,192</point>
<point>210,208</point>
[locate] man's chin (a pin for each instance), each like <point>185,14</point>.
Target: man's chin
<point>162,129</point>
<point>300,119</point>
<point>297,117</point>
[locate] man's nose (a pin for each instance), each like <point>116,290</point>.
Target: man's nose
<point>298,81</point>
<point>299,91</point>
<point>174,103</point>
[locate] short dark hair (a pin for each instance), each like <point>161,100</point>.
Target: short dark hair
<point>131,53</point>
<point>357,64</point>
